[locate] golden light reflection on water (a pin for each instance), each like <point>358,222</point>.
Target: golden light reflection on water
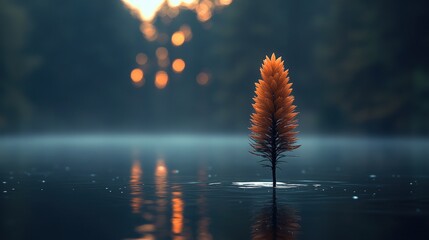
<point>136,187</point>
<point>161,173</point>
<point>177,219</point>
<point>163,211</point>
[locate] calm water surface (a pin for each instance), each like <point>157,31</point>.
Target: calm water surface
<point>211,187</point>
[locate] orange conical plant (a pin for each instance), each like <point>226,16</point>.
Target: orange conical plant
<point>274,118</point>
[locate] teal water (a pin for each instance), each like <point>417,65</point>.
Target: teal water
<point>211,187</point>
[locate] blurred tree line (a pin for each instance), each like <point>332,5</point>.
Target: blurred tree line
<point>357,66</point>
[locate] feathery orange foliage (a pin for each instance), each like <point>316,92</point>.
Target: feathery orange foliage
<point>273,122</point>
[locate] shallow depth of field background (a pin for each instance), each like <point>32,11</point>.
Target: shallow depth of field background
<point>358,67</point>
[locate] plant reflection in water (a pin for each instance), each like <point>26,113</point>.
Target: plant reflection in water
<point>275,222</point>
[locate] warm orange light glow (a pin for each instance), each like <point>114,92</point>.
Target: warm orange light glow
<point>136,187</point>
<point>146,11</point>
<point>178,65</point>
<point>145,228</point>
<point>178,38</point>
<point>161,79</point>
<point>203,78</point>
<point>177,216</point>
<point>225,2</point>
<point>149,31</point>
<point>136,75</point>
<point>141,59</point>
<point>204,10</point>
<point>161,172</point>
<point>161,53</point>
<point>187,31</point>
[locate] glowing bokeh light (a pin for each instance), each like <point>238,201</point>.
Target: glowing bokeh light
<point>178,38</point>
<point>149,31</point>
<point>204,12</point>
<point>147,10</point>
<point>161,53</point>
<point>141,59</point>
<point>137,75</point>
<point>186,30</point>
<point>161,79</point>
<point>203,78</point>
<point>225,2</point>
<point>178,65</point>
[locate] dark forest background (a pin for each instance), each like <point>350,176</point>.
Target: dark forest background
<point>358,67</point>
